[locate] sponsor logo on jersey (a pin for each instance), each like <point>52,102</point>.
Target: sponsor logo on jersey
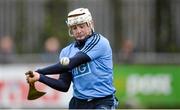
<point>81,70</point>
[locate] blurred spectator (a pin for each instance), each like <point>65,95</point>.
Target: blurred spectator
<point>52,48</point>
<point>127,50</point>
<point>6,49</point>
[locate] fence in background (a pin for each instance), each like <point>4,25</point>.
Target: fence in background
<point>151,25</point>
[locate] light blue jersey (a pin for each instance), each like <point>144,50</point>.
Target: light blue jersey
<point>95,78</point>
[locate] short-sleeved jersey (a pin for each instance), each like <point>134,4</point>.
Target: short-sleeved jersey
<point>95,78</point>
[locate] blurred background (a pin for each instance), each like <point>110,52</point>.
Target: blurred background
<point>144,35</point>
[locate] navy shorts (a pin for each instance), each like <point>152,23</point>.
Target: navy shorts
<point>108,102</point>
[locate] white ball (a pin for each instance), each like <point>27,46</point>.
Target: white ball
<point>64,61</point>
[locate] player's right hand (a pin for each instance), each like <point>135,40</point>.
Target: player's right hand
<point>33,79</point>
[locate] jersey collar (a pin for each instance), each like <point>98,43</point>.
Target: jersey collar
<point>80,44</point>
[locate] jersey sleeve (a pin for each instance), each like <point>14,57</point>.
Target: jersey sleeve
<point>62,53</point>
<point>61,84</point>
<point>98,47</point>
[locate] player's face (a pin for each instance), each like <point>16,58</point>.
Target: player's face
<point>80,31</point>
